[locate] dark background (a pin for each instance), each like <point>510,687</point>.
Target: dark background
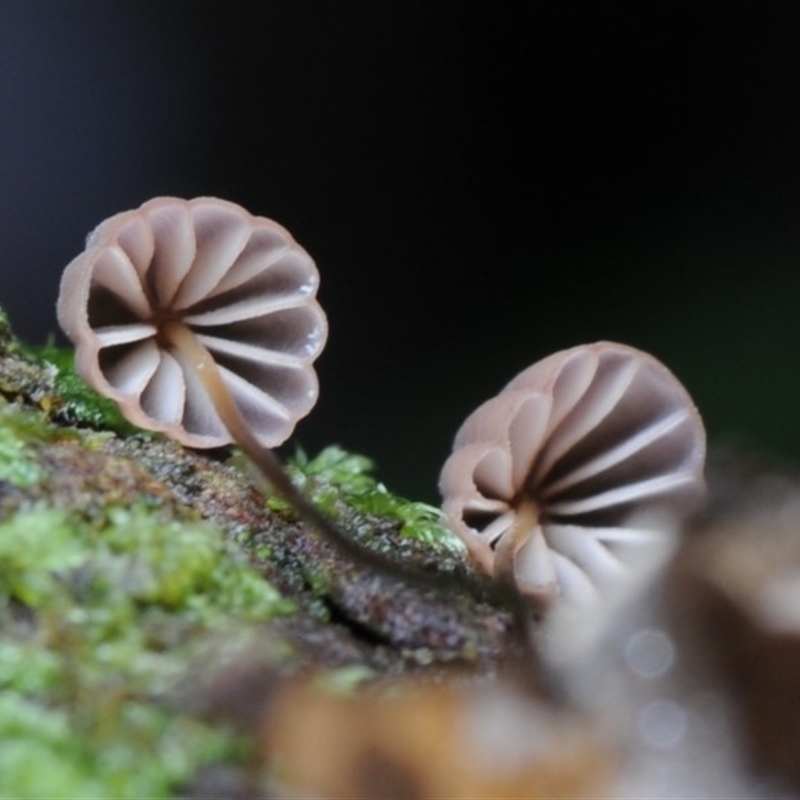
<point>478,189</point>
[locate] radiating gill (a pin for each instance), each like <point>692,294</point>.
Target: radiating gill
<point>618,454</point>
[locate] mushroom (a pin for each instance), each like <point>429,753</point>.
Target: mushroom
<point>200,321</point>
<point>550,482</point>
<point>157,284</point>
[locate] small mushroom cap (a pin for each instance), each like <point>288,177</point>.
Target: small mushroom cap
<point>239,282</point>
<point>585,442</point>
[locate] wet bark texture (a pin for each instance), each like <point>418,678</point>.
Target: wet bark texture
<point>348,613</point>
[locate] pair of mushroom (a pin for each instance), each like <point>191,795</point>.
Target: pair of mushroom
<point>201,321</point>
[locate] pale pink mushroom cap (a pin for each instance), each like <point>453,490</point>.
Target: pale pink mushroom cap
<point>240,282</point>
<point>587,440</point>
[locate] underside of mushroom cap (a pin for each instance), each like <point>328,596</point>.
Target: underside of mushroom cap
<point>550,481</point>
<point>242,285</point>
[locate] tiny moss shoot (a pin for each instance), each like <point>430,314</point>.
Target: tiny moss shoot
<point>8,343</point>
<point>336,479</point>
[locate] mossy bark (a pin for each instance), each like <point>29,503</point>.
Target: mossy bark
<point>182,548</point>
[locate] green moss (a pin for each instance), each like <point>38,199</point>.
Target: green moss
<point>336,478</point>
<point>97,621</point>
<point>183,565</point>
<point>44,756</point>
<point>30,425</point>
<point>17,464</point>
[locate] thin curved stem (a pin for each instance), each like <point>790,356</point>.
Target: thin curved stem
<point>522,556</point>
<point>183,340</point>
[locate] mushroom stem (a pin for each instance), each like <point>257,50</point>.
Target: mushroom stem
<point>183,340</point>
<point>522,556</point>
<point>526,520</point>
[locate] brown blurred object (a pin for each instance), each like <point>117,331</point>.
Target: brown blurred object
<point>743,576</point>
<point>430,741</point>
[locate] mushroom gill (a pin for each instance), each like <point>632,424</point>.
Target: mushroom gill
<point>552,479</point>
